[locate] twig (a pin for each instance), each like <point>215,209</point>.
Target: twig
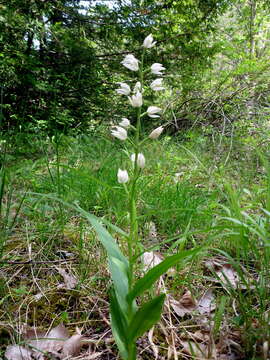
<point>32,262</point>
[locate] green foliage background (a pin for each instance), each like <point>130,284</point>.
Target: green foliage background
<point>60,59</point>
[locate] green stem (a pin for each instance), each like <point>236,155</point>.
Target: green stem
<point>132,351</point>
<point>134,236</point>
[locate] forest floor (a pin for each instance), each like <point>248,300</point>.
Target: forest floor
<point>198,190</point>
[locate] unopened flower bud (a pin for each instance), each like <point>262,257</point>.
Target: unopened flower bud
<point>156,132</point>
<point>122,176</point>
<point>140,160</point>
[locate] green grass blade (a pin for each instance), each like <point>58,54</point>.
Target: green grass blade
<point>2,188</point>
<point>105,237</point>
<point>219,315</point>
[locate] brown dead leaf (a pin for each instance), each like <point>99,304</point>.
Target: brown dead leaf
<point>199,351</point>
<point>188,305</point>
<point>32,333</point>
<point>206,303</point>
<point>56,343</point>
<point>151,259</point>
<point>197,336</point>
<point>224,272</point>
<point>212,264</point>
<point>201,336</point>
<point>51,343</point>
<point>228,276</point>
<point>16,352</point>
<point>185,305</point>
<point>69,280</point>
<point>72,345</point>
<point>191,348</point>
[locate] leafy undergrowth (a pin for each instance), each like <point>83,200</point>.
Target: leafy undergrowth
<point>53,270</point>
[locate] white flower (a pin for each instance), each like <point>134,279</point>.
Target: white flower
<point>136,100</point>
<point>156,132</point>
<point>156,85</point>
<point>122,176</point>
<point>119,132</point>
<point>125,123</point>
<point>137,87</point>
<point>148,42</point>
<point>152,111</point>
<point>140,160</point>
<point>157,68</point>
<point>131,62</point>
<point>124,89</point>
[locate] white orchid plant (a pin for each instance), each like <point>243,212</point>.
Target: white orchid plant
<point>129,320</point>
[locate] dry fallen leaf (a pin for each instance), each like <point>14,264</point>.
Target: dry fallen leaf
<point>16,352</point>
<point>199,351</point>
<point>151,259</point>
<point>185,305</point>
<point>69,280</point>
<point>51,343</point>
<point>224,272</point>
<point>228,276</point>
<point>188,305</point>
<point>56,343</point>
<point>206,303</point>
<point>72,345</point>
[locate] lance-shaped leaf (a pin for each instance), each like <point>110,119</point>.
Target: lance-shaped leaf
<point>118,325</point>
<point>120,279</point>
<point>147,316</point>
<point>152,275</point>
